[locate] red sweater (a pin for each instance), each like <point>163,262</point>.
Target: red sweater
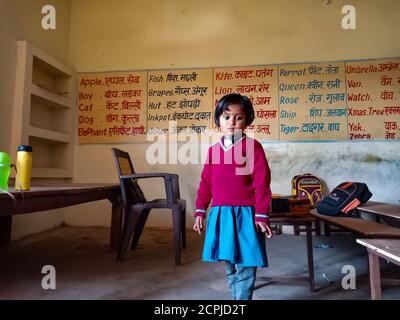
<point>236,176</point>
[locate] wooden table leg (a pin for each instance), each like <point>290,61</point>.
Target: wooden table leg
<point>116,224</point>
<point>310,256</point>
<point>5,230</point>
<point>317,227</point>
<point>327,229</point>
<point>374,276</point>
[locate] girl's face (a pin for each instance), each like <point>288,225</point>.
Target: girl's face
<point>233,120</point>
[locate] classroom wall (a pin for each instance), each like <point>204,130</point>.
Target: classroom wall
<point>102,35</point>
<point>134,35</point>
<point>21,20</point>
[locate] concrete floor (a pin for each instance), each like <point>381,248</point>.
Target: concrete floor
<point>85,269</point>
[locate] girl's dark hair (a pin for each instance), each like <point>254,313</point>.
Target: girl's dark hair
<point>234,98</point>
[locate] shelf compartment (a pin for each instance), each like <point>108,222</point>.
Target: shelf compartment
<point>50,155</point>
<point>56,82</point>
<point>45,116</point>
<point>51,99</point>
<point>49,135</point>
<point>49,64</point>
<point>51,173</point>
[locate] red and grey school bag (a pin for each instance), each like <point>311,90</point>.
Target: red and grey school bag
<point>344,199</point>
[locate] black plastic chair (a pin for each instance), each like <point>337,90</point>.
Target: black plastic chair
<point>137,208</point>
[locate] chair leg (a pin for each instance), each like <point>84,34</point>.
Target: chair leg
<point>129,226</point>
<point>183,221</point>
<point>177,226</point>
<point>139,227</point>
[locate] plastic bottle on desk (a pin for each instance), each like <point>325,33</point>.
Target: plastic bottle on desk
<point>24,168</point>
<point>5,169</point>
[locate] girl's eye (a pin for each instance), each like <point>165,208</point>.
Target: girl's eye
<point>239,118</point>
<point>226,117</point>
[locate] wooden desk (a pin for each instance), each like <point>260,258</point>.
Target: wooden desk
<point>296,220</point>
<point>381,209</point>
<point>386,249</point>
<point>41,198</point>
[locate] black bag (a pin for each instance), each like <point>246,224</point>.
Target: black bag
<point>279,205</point>
<point>344,199</point>
<point>291,205</point>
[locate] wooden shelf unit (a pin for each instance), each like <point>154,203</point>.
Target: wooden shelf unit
<point>44,111</point>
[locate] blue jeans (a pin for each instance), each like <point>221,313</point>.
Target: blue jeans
<point>240,280</point>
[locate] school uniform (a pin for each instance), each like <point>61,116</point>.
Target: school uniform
<point>236,177</point>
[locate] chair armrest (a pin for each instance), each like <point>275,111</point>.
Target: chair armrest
<point>170,180</point>
<point>150,175</point>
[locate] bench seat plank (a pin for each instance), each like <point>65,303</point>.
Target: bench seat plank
<point>361,227</point>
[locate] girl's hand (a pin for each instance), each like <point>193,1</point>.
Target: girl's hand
<point>198,224</point>
<point>264,229</point>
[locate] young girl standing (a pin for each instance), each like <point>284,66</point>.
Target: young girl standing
<point>236,177</point>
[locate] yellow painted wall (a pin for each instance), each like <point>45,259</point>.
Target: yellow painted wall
<point>21,20</point>
<point>123,34</point>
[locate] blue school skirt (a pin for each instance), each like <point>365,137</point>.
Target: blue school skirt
<point>231,236</point>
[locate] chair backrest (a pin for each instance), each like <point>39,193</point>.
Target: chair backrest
<point>130,189</point>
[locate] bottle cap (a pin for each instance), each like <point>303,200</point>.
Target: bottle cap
<point>4,158</point>
<point>24,148</point>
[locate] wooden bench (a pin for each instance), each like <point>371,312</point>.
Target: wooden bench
<point>360,227</point>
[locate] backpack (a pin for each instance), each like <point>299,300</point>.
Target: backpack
<point>344,200</point>
<point>307,186</point>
